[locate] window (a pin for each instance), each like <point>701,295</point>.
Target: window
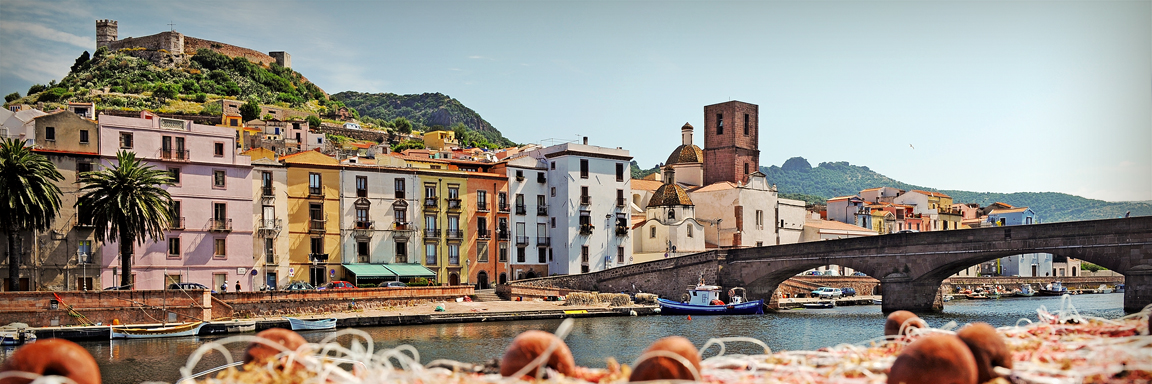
<point>502,200</point>
<point>314,184</point>
<point>482,252</point>
<point>519,175</point>
<point>401,252</point>
<point>719,123</point>
<point>83,136</point>
<point>583,168</point>
<point>671,214</point>
<point>542,255</point>
<point>584,254</point>
<point>553,191</point>
<point>362,251</point>
<point>316,211</point>
<point>316,245</point>
<point>218,149</point>
<point>553,165</point>
<point>430,253</point>
<point>520,256</point>
<point>745,168</point>
<point>362,218</point>
<point>401,215</point>
<point>399,188</point>
<point>361,186</point>
<point>234,122</point>
<point>503,256</point>
<point>652,232</point>
<point>174,246</point>
<point>174,173</point>
<point>430,191</point>
<point>619,171</point>
<point>745,124</point>
<point>541,205</point>
<point>126,140</point>
<point>218,248</point>
<point>83,167</point>
<point>520,208</point>
<point>619,197</point>
<point>430,222</point>
<point>50,133</point>
<point>175,212</point>
<point>218,179</point>
<point>760,219</point>
<point>269,250</point>
<point>84,250</point>
<point>689,231</point>
<point>482,200</point>
<point>620,254</point>
<point>454,254</point>
<point>553,220</point>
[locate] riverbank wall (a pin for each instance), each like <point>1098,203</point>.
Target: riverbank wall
<point>65,308</point>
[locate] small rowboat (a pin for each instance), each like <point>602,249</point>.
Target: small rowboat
<point>308,325</point>
<point>190,329</point>
<point>820,305</point>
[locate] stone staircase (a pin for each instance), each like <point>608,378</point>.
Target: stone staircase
<point>487,295</point>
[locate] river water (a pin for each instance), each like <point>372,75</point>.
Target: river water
<point>592,340</point>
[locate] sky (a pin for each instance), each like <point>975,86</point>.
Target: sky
<point>986,96</point>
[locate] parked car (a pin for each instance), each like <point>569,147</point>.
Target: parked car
<point>339,285</point>
<point>908,231</point>
<point>809,273</point>
<point>392,284</point>
<point>858,274</point>
<point>848,291</point>
<point>188,286</point>
<point>831,272</point>
<point>299,286</point>
<point>827,293</point>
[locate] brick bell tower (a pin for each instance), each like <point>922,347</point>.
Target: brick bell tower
<point>731,142</point>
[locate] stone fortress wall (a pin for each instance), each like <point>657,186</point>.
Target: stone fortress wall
<point>171,47</point>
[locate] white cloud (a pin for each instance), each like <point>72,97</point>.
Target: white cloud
<point>46,33</point>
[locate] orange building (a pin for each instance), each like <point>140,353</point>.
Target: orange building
<point>487,252</point>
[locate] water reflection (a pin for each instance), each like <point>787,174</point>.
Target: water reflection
<point>594,339</point>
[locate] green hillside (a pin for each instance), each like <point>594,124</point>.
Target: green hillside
<point>133,83</point>
<point>796,176</point>
<point>426,112</point>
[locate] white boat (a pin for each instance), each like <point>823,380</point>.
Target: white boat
<point>878,301</point>
<point>308,325</point>
<point>820,305</point>
<point>16,334</point>
<point>188,329</point>
<point>240,326</point>
<point>1103,289</point>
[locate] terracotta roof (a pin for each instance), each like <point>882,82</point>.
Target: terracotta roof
<point>669,195</point>
<point>646,185</point>
<point>838,198</point>
<point>718,186</point>
<point>685,154</point>
<point>1001,204</point>
<point>933,194</point>
<point>871,189</point>
<point>836,225</point>
<point>1011,210</point>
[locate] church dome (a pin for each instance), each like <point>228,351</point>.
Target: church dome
<point>686,154</point>
<point>669,195</point>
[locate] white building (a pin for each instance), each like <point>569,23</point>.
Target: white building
<point>588,188</point>
<point>377,208</point>
<point>532,219</point>
<point>670,227</point>
<point>748,215</point>
<point>270,213</point>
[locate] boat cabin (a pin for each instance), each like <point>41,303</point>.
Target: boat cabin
<point>703,294</point>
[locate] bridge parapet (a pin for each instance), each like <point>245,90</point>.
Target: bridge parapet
<point>668,278</point>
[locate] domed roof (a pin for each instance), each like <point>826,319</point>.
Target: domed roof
<point>669,195</point>
<point>686,154</point>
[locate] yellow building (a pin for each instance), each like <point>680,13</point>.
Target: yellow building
<point>313,183</point>
<point>437,140</point>
<point>443,218</point>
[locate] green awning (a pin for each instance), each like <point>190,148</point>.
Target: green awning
<point>410,270</point>
<point>368,271</point>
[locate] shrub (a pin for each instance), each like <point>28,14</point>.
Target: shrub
<point>12,97</point>
<point>166,91</point>
<point>313,121</point>
<point>36,88</point>
<point>54,94</point>
<point>200,97</point>
<point>213,109</point>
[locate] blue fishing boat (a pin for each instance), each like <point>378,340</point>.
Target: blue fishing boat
<point>704,299</point>
<point>1053,289</point>
<point>309,325</point>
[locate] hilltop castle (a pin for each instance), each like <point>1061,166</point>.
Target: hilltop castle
<point>171,47</point>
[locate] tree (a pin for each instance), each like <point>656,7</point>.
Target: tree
<point>81,62</point>
<point>36,88</point>
<point>250,110</point>
<point>313,121</point>
<point>12,97</point>
<point>29,197</point>
<point>127,205</point>
<point>402,125</point>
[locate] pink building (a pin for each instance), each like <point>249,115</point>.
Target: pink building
<point>211,237</point>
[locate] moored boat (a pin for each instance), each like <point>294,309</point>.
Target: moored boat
<point>1103,289</point>
<point>704,299</point>
<point>188,329</point>
<point>1053,289</point>
<point>1024,291</point>
<point>309,325</point>
<point>16,334</point>
<point>1119,288</point>
<point>240,326</point>
<point>820,305</point>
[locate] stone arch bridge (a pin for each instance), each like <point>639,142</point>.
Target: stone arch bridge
<point>911,267</point>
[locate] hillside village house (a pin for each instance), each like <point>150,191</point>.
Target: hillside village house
<point>270,212</point>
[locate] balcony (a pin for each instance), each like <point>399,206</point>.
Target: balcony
<point>586,229</point>
<point>481,206</point>
<point>267,193</point>
<point>453,204</point>
<point>454,234</point>
<point>174,155</point>
<point>521,209</point>
<point>399,194</point>
<point>269,227</point>
<point>431,233</point>
<point>430,203</point>
<point>362,229</point>
<point>502,235</point>
<point>585,200</point>
<point>317,226</point>
<point>173,223</point>
<point>620,202</point>
<point>543,241</point>
<point>542,210</point>
<point>318,257</point>
<point>402,226</point>
<point>621,230</point>
<point>483,234</point>
<point>521,240</point>
<point>220,225</point>
<point>315,193</point>
<point>503,207</point>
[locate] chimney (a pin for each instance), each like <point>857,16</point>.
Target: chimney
<point>686,134</point>
<point>585,140</point>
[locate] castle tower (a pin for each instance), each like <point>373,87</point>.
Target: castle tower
<point>106,33</point>
<point>731,142</point>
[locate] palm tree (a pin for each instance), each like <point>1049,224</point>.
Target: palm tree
<point>29,197</point>
<point>126,204</point>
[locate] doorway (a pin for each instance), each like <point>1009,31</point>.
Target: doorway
<point>482,280</point>
<point>503,278</point>
<point>453,279</point>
